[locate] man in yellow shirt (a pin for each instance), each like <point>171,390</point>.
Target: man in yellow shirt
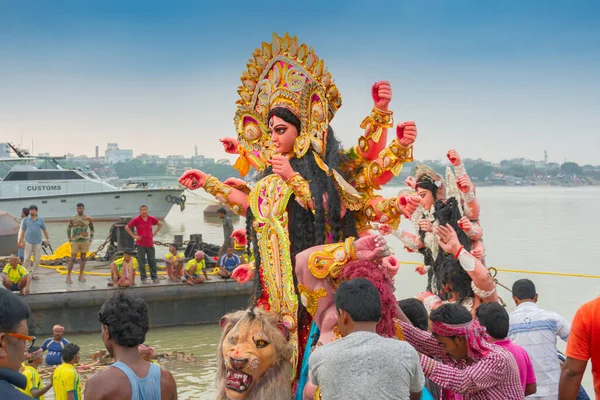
<point>15,277</point>
<point>65,379</point>
<point>174,261</point>
<point>122,270</point>
<point>34,382</point>
<point>194,267</point>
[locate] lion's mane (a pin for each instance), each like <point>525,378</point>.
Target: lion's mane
<point>276,381</point>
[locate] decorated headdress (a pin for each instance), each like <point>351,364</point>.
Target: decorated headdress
<point>284,74</point>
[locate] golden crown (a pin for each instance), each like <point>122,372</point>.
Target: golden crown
<point>285,74</point>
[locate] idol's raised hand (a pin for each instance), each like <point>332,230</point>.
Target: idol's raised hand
<point>230,145</point>
<point>193,179</point>
<point>381,92</point>
<point>406,133</point>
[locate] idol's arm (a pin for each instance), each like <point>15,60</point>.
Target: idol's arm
<point>236,199</point>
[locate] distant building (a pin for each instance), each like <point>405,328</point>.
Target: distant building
<point>43,154</point>
<point>114,155</point>
<point>97,151</point>
<point>198,161</point>
<point>224,161</point>
<point>209,161</point>
<point>149,158</point>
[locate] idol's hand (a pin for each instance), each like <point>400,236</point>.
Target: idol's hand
<point>477,253</point>
<point>391,265</point>
<point>381,92</point>
<point>454,157</point>
<point>425,225</point>
<point>464,184</point>
<point>244,273</point>
<point>411,182</point>
<point>240,236</point>
<point>406,133</point>
<point>408,204</point>
<point>193,179</point>
<point>371,247</point>
<point>235,182</point>
<point>465,224</point>
<point>282,167</point>
<point>420,269</point>
<point>230,145</point>
<point>384,229</point>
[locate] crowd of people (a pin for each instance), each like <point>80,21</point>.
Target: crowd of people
<point>124,325</point>
<point>18,273</point>
<point>452,354</point>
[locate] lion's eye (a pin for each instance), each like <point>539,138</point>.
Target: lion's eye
<point>261,344</point>
<point>233,340</point>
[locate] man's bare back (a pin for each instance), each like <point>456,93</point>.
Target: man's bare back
<point>112,384</point>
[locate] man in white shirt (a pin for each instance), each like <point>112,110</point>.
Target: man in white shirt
<point>536,330</point>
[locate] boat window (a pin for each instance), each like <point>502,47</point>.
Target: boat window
<point>42,175</point>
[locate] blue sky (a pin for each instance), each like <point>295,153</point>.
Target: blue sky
<point>495,79</point>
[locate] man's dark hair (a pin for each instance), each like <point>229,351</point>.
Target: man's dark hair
<point>33,207</point>
<point>222,210</point>
<point>451,314</point>
<point>25,211</point>
<point>416,312</point>
<point>126,317</point>
<point>524,289</point>
<point>494,318</point>
<point>80,205</point>
<point>69,352</point>
<point>13,310</point>
<point>142,206</point>
<point>360,299</point>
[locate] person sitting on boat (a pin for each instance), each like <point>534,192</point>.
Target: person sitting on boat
<point>15,277</point>
<point>55,346</point>
<point>228,263</point>
<point>122,270</point>
<point>174,261</point>
<point>194,267</point>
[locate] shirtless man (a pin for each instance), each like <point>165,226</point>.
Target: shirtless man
<point>124,320</point>
<point>122,270</point>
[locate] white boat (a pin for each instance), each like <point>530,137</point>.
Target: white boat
<point>56,192</point>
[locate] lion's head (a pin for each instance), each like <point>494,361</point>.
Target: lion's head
<point>253,357</point>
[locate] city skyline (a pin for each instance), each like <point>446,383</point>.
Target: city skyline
<point>494,80</point>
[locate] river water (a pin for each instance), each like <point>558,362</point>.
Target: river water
<point>526,228</point>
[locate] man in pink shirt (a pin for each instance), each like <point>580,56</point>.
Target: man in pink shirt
<point>144,240</point>
<point>494,318</point>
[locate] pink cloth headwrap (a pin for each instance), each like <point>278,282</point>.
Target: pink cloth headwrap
<point>146,350</point>
<point>58,328</point>
<point>478,341</point>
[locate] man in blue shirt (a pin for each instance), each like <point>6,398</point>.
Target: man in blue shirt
<point>55,346</point>
<point>31,239</point>
<point>228,263</point>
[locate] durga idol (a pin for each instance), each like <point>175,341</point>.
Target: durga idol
<point>302,197</point>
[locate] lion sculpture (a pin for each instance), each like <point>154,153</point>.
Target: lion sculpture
<point>253,357</point>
